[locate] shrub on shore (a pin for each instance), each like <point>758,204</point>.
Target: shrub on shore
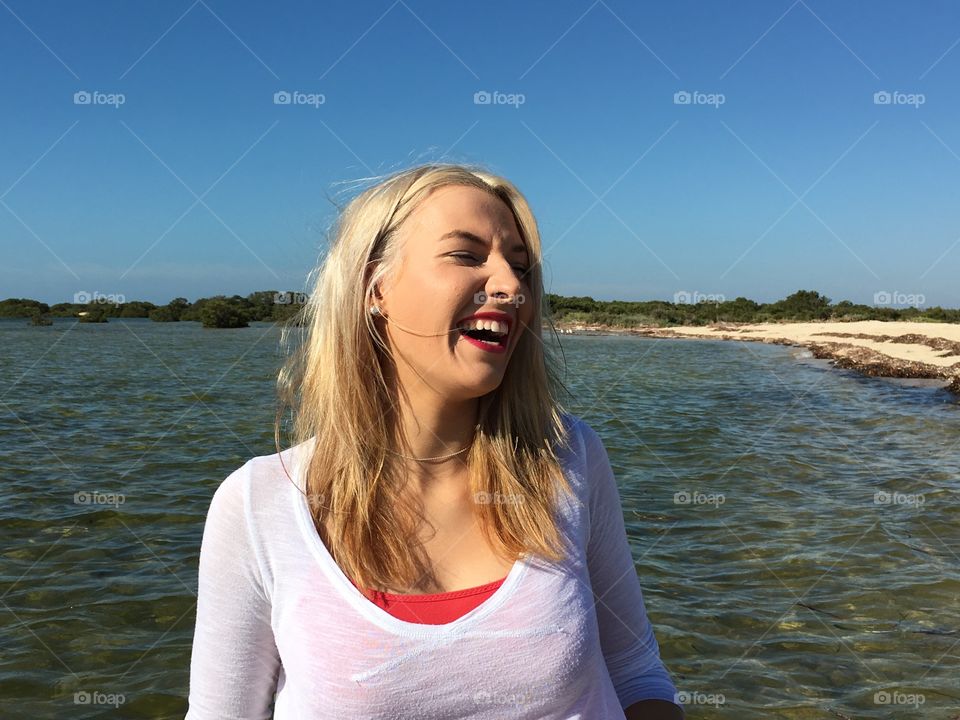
<point>801,306</point>
<point>38,319</point>
<point>221,314</point>
<point>93,315</point>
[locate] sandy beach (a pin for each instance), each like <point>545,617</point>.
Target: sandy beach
<point>885,349</point>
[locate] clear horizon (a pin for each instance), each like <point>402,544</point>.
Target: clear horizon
<point>748,149</point>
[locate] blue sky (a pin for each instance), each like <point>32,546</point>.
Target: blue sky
<point>782,172</point>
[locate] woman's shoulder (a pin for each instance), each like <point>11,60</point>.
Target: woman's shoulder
<point>581,437</point>
<point>576,422</point>
<point>574,450</point>
<point>263,482</point>
<point>584,456</point>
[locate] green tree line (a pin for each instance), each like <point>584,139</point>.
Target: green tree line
<point>273,306</point>
<point>218,311</point>
<point>801,306</point>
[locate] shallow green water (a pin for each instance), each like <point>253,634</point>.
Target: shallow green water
<point>781,590</point>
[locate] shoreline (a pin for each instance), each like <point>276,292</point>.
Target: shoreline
<point>894,349</point>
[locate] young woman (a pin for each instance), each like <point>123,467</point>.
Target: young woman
<point>442,540</point>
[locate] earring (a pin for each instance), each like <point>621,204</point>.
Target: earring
<point>375,310</point>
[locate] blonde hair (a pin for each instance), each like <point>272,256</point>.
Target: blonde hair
<point>335,387</point>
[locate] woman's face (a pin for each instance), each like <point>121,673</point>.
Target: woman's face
<point>445,277</point>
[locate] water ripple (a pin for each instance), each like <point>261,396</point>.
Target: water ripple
<point>794,526</point>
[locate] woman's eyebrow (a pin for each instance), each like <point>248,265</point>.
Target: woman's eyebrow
<point>474,238</point>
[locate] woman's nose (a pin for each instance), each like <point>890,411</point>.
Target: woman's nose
<point>503,280</point>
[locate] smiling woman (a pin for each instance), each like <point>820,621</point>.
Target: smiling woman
<point>441,539</point>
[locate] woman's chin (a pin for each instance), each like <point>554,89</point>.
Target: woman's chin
<point>471,388</point>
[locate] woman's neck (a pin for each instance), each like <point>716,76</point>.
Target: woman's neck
<point>435,427</point>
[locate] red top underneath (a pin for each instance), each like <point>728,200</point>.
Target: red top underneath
<point>437,609</point>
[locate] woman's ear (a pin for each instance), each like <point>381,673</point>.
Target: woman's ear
<point>376,296</point>
<point>381,293</point>
<point>377,307</point>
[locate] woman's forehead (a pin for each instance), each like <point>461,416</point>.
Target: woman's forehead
<point>467,209</point>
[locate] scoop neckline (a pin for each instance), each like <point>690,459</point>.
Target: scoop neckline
<point>378,615</point>
<point>437,597</point>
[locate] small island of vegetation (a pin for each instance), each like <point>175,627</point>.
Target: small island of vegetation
<point>219,311</point>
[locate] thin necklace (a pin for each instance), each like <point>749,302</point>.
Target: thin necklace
<point>427,459</point>
<point>439,457</point>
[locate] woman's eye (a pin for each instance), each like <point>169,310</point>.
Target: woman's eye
<point>470,256</point>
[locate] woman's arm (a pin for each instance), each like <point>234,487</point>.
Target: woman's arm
<point>235,664</point>
<point>629,646</point>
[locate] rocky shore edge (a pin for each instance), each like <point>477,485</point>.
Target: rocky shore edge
<point>864,360</point>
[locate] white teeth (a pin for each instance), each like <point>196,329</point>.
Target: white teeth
<point>500,328</point>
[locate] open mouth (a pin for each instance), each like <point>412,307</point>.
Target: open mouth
<point>487,334</point>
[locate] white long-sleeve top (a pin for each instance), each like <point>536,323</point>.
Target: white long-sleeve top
<point>277,619</point>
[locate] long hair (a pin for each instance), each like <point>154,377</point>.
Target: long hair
<point>337,392</point>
